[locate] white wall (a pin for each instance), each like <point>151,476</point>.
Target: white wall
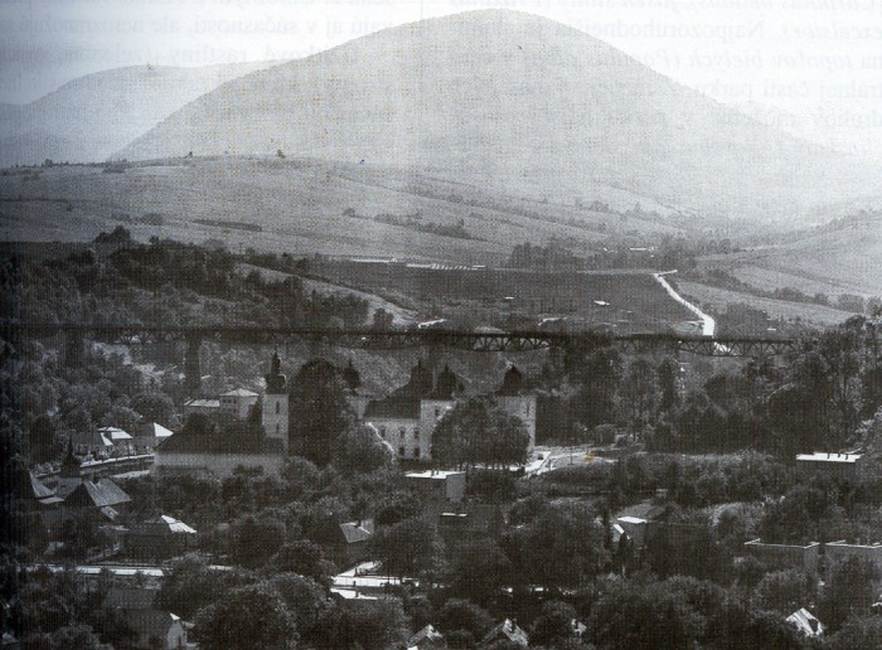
<point>392,427</point>
<point>274,417</point>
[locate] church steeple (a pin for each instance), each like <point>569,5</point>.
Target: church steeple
<point>70,466</point>
<point>276,382</point>
<point>351,376</point>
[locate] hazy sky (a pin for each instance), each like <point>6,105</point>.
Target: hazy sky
<point>818,61</point>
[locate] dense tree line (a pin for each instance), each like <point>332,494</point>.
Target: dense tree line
<point>165,282</point>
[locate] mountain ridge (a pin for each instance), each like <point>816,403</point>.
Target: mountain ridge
<point>90,117</point>
<point>496,94</point>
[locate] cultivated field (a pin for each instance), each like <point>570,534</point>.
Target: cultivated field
<point>298,206</point>
<point>625,300</point>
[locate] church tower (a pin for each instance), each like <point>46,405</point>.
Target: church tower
<point>274,416</point>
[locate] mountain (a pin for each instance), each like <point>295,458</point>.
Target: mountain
<point>517,100</point>
<point>89,118</point>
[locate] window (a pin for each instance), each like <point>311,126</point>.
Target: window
<point>416,452</point>
<point>401,432</point>
<point>437,413</point>
<point>416,434</point>
<point>278,406</point>
<point>401,452</point>
<point>383,431</point>
<point>277,427</point>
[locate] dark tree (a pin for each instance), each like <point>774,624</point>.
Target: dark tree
<point>553,625</point>
<point>319,411</point>
<point>250,617</point>
<point>464,615</point>
<point>477,431</point>
<point>407,549</point>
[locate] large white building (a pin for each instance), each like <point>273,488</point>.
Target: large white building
<point>407,417</point>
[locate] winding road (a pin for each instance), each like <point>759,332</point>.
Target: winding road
<point>708,324</point>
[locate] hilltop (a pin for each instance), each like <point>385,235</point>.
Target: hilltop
<point>91,117</point>
<point>506,99</point>
<point>841,256</point>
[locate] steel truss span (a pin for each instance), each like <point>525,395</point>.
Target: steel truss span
<point>512,341</point>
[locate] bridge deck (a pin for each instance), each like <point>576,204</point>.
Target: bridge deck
<point>511,341</point>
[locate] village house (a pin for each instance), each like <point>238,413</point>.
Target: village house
<point>159,538</point>
<point>201,407</point>
<point>237,403</point>
<point>346,543</point>
<point>218,454</point>
<point>92,443</point>
<point>426,638</point>
<point>806,623</point>
<point>506,631</point>
<point>438,485</point>
<point>150,435</point>
<point>120,440</point>
<point>153,627</point>
<point>635,521</point>
<point>77,493</point>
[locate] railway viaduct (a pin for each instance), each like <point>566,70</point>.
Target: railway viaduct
<point>75,334</point>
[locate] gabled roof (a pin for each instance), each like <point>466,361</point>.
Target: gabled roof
<point>646,511</point>
<point>426,638</point>
<point>99,495</point>
<point>509,630</point>
<point>202,403</point>
<point>804,621</point>
<point>219,443</point>
<point>34,488</point>
<point>114,434</point>
<point>165,523</point>
<point>92,439</point>
<point>357,531</point>
<point>393,408</point>
<point>156,430</point>
<point>239,392</point>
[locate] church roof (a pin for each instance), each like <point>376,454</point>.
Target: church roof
<point>239,392</point>
<point>219,443</point>
<point>393,407</point>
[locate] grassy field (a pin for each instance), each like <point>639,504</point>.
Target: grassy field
<point>842,260</point>
<point>298,206</point>
<point>716,299</point>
